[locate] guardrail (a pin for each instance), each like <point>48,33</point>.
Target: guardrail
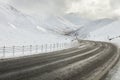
<point>16,51</point>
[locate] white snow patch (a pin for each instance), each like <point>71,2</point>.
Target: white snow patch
<point>13,26</point>
<point>41,29</point>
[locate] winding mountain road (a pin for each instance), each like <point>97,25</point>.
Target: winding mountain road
<point>90,61</point>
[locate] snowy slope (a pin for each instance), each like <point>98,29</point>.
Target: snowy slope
<point>56,23</point>
<point>92,26</point>
<point>19,29</point>
<point>109,32</point>
<point>85,26</point>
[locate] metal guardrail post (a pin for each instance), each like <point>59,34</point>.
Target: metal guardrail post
<point>41,48</point>
<point>13,50</point>
<point>4,51</point>
<point>57,46</point>
<point>65,45</point>
<point>54,46</point>
<point>50,47</point>
<point>30,49</point>
<point>46,47</point>
<point>23,49</point>
<point>60,45</point>
<point>36,48</point>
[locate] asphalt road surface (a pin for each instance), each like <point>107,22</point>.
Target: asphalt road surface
<point>90,61</point>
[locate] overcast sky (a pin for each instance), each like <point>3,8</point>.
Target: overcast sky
<point>92,9</point>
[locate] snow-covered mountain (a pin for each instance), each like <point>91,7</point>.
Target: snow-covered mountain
<point>17,28</point>
<point>85,30</point>
<point>56,23</point>
<point>108,33</point>
<point>86,26</point>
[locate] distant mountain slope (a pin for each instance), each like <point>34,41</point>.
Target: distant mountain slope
<point>17,28</point>
<point>86,26</point>
<point>107,32</point>
<point>84,31</point>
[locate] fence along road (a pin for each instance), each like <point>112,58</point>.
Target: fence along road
<point>17,51</point>
<point>89,61</point>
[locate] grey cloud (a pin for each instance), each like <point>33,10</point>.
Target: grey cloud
<point>93,9</point>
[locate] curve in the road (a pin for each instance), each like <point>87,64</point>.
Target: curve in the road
<point>85,62</point>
